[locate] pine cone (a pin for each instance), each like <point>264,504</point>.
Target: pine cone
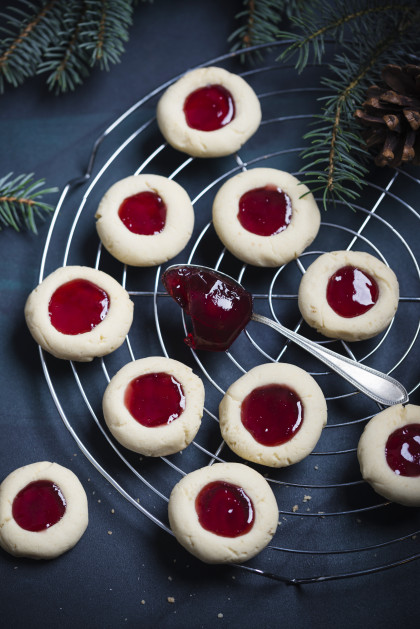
<point>391,116</point>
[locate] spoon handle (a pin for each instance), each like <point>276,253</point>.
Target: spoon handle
<point>378,386</point>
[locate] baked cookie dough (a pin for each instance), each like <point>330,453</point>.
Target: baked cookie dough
<point>162,208</point>
<point>246,520</point>
<point>45,519</point>
<point>159,433</point>
<point>293,414</point>
<point>105,337</point>
<point>244,116</point>
<point>393,436</point>
<point>320,315</point>
<point>296,232</point>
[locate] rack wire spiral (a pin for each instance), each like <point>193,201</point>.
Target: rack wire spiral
<point>331,524</point>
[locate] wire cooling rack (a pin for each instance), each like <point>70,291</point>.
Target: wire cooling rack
<point>332,525</point>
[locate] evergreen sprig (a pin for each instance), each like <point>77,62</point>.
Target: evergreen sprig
<point>21,201</point>
<point>367,34</point>
<point>64,39</point>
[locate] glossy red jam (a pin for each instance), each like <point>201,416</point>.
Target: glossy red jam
<point>209,108</point>
<point>219,309</point>
<point>78,306</point>
<point>272,413</point>
<point>265,211</point>
<point>351,292</point>
<point>402,450</point>
<point>155,399</point>
<point>38,506</point>
<point>143,213</point>
<point>224,509</point>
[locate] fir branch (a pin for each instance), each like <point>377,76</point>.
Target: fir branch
<point>65,62</point>
<point>20,202</point>
<point>259,22</point>
<point>29,31</point>
<point>64,39</point>
<point>105,30</point>
<point>336,142</point>
<point>336,20</point>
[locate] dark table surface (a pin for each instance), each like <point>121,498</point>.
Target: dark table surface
<point>125,578</point>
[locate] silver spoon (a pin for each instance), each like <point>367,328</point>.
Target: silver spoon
<point>377,385</point>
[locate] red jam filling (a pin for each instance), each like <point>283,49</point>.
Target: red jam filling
<point>272,413</point>
<point>224,509</point>
<point>38,506</point>
<point>78,306</point>
<point>209,108</point>
<point>219,309</point>
<point>143,213</point>
<point>265,211</point>
<point>351,292</point>
<point>155,399</point>
<point>402,450</point>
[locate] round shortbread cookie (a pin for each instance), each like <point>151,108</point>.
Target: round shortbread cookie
<point>317,312</point>
<point>102,339</point>
<point>211,547</point>
<point>371,453</point>
<point>159,440</point>
<point>143,249</point>
<point>243,443</point>
<point>224,141</point>
<point>278,248</point>
<point>57,538</point>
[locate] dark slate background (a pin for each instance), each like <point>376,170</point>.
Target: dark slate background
<point>125,579</point>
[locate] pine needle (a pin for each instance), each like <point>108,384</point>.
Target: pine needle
<point>21,202</point>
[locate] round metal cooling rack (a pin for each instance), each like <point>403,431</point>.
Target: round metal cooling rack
<point>331,524</point>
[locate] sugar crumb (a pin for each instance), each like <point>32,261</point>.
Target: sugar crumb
<point>316,467</point>
<point>169,578</point>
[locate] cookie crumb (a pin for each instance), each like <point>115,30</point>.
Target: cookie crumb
<point>306,498</point>
<point>99,500</point>
<point>109,532</point>
<point>414,537</point>
<point>316,467</point>
<point>171,599</point>
<point>112,510</point>
<point>143,602</point>
<point>295,508</point>
<point>219,615</point>
<point>169,578</point>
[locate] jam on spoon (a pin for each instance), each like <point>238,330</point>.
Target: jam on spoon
<point>218,306</point>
